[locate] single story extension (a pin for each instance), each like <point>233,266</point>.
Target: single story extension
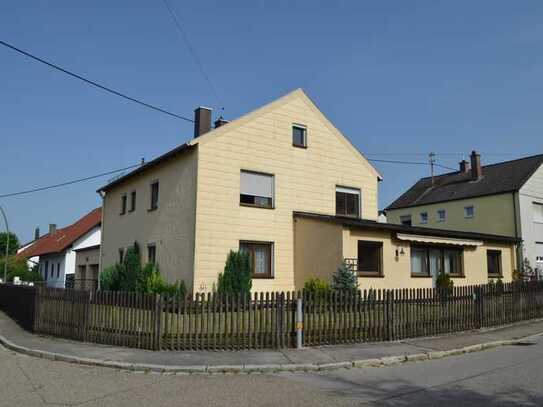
<point>387,256</point>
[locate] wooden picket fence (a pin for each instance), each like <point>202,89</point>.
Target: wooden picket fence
<point>268,320</point>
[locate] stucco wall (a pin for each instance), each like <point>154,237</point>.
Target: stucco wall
<point>317,256</point>
<point>170,227</point>
<point>532,231</point>
<point>305,180</point>
<point>493,214</point>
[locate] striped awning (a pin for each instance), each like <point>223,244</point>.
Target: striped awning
<point>438,240</point>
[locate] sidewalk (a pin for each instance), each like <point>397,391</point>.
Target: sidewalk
<point>309,359</point>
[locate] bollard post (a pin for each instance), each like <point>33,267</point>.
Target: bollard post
<point>299,324</point>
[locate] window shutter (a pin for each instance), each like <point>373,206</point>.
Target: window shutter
<point>256,184</point>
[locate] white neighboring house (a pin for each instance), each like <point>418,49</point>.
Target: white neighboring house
<point>56,251</point>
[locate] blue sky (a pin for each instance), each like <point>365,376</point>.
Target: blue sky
<point>399,78</point>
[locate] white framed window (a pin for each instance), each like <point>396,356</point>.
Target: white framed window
<point>347,201</point>
<point>256,189</point>
<point>538,212</point>
<point>299,136</point>
<point>469,211</point>
<point>424,217</point>
<point>441,215</point>
<point>406,220</point>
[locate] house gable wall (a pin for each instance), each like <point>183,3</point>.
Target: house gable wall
<point>305,180</point>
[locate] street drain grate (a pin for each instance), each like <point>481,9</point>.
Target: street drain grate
<point>523,344</point>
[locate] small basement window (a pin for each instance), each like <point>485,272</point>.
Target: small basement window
<point>256,189</point>
<point>348,202</point>
<point>299,136</point>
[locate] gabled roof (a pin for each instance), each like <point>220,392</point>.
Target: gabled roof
<point>391,227</point>
<point>217,132</point>
<point>63,238</point>
<point>508,176</point>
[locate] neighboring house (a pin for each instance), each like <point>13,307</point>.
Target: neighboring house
<point>283,184</point>
<point>31,261</point>
<point>59,251</point>
<point>504,198</point>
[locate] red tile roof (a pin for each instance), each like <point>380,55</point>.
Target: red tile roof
<point>63,238</point>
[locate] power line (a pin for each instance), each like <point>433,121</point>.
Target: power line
<point>62,184</point>
<point>192,51</point>
<point>91,82</point>
<point>410,163</point>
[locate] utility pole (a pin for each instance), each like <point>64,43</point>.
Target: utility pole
<point>7,246</point>
<point>432,161</point>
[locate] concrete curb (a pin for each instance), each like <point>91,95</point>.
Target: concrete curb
<point>264,368</point>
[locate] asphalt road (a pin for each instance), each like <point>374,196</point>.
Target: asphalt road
<point>505,376</point>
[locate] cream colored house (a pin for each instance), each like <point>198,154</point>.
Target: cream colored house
<point>505,198</point>
<point>247,184</point>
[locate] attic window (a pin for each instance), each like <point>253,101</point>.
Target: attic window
<point>348,202</point>
<point>299,136</point>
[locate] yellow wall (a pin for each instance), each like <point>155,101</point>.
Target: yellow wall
<point>315,256</point>
<point>493,214</point>
<point>170,227</point>
<point>305,180</point>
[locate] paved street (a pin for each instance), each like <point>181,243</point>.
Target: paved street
<point>503,376</point>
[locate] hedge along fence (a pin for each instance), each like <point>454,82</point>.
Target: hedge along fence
<point>268,320</point>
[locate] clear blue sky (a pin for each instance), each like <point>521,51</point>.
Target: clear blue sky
<point>396,77</point>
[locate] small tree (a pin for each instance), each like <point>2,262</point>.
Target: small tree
<point>236,278</point>
<point>13,243</point>
<point>131,268</point>
<point>344,279</point>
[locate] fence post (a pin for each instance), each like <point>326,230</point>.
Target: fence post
<point>299,323</point>
<point>479,306</point>
<point>158,317</point>
<point>35,323</point>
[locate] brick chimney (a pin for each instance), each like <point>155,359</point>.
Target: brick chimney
<point>52,228</point>
<point>202,121</point>
<point>476,169</point>
<point>464,167</point>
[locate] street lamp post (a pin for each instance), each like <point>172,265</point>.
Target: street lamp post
<point>7,245</point>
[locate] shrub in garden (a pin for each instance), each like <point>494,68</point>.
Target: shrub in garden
<point>236,277</point>
<point>155,284</point>
<point>444,281</point>
<point>317,286</point>
<point>344,279</point>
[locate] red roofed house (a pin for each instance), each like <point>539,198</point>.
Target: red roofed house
<point>70,254</point>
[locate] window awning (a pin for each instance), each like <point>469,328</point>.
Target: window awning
<point>438,240</point>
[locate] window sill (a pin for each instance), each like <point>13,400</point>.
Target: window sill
<point>299,146</point>
<point>495,276</point>
<point>132,210</point>
<point>456,276</point>
<point>256,206</point>
<point>264,277</point>
<point>420,276</point>
<point>152,209</point>
<point>370,275</point>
